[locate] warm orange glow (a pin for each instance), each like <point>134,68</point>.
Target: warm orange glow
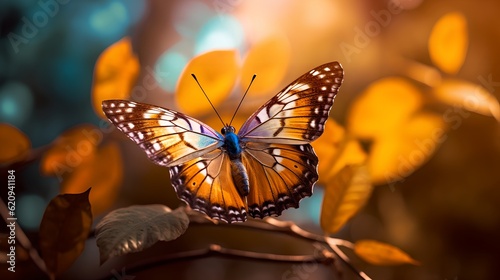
<point>378,253</point>
<point>216,71</point>
<point>14,144</point>
<point>115,73</point>
<point>345,194</point>
<point>383,107</point>
<point>448,42</point>
<point>269,59</point>
<point>396,155</point>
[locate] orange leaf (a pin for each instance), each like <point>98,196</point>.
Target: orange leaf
<point>14,144</point>
<point>383,107</point>
<point>448,42</point>
<point>469,96</point>
<point>64,229</point>
<point>71,149</point>
<point>269,59</point>
<point>116,71</point>
<point>103,172</point>
<point>216,71</point>
<point>345,194</point>
<point>396,155</point>
<point>378,253</point>
<point>327,147</point>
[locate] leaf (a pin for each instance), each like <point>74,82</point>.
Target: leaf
<point>14,144</point>
<point>70,149</point>
<point>269,59</point>
<point>345,194</point>
<point>469,96</point>
<point>448,42</point>
<point>115,73</point>
<point>396,155</point>
<point>103,172</point>
<point>136,228</point>
<point>336,149</point>
<point>216,71</point>
<point>378,253</point>
<point>383,107</point>
<point>64,229</point>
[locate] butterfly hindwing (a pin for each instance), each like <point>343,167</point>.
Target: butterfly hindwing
<point>297,114</point>
<point>280,176</point>
<point>205,184</point>
<point>168,137</point>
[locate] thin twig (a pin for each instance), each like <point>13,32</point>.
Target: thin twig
<point>23,239</point>
<point>290,228</point>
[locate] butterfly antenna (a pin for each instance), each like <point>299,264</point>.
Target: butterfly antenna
<point>241,101</point>
<point>194,77</point>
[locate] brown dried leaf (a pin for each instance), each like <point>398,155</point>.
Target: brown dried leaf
<point>64,229</point>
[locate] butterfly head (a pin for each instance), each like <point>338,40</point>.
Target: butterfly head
<point>227,129</point>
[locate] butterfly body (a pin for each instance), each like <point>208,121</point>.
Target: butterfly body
<point>265,168</point>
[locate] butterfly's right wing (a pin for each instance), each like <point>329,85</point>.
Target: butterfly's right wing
<point>168,137</point>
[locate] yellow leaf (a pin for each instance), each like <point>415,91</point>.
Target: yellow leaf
<point>328,145</point>
<point>448,42</point>
<point>335,151</point>
<point>269,60</point>
<point>345,194</point>
<point>383,107</point>
<point>116,71</point>
<point>378,253</point>
<point>216,71</point>
<point>14,144</point>
<point>469,96</point>
<point>395,156</point>
<point>103,172</point>
<point>70,149</point>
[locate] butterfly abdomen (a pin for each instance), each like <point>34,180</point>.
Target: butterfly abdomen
<point>240,177</point>
<point>238,171</point>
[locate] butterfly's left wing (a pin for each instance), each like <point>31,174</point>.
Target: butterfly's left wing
<point>168,137</point>
<point>297,114</point>
<point>280,176</point>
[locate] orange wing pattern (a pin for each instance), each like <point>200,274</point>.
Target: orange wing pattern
<point>205,184</point>
<point>280,176</point>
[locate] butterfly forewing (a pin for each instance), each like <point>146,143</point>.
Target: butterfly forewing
<point>297,114</point>
<point>168,137</point>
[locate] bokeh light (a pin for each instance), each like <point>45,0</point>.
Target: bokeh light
<point>16,103</point>
<point>109,20</point>
<point>170,65</point>
<point>220,32</point>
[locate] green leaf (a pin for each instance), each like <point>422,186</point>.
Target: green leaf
<point>64,229</point>
<point>138,227</point>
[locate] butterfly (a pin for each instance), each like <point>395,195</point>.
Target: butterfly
<point>265,168</point>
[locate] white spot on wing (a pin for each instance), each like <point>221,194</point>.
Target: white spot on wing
<point>320,98</point>
<point>313,123</point>
<point>262,115</point>
<point>164,123</point>
<point>129,110</point>
<point>279,168</point>
<point>157,146</point>
<point>131,125</point>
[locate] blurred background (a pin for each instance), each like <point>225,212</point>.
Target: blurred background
<point>444,210</point>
